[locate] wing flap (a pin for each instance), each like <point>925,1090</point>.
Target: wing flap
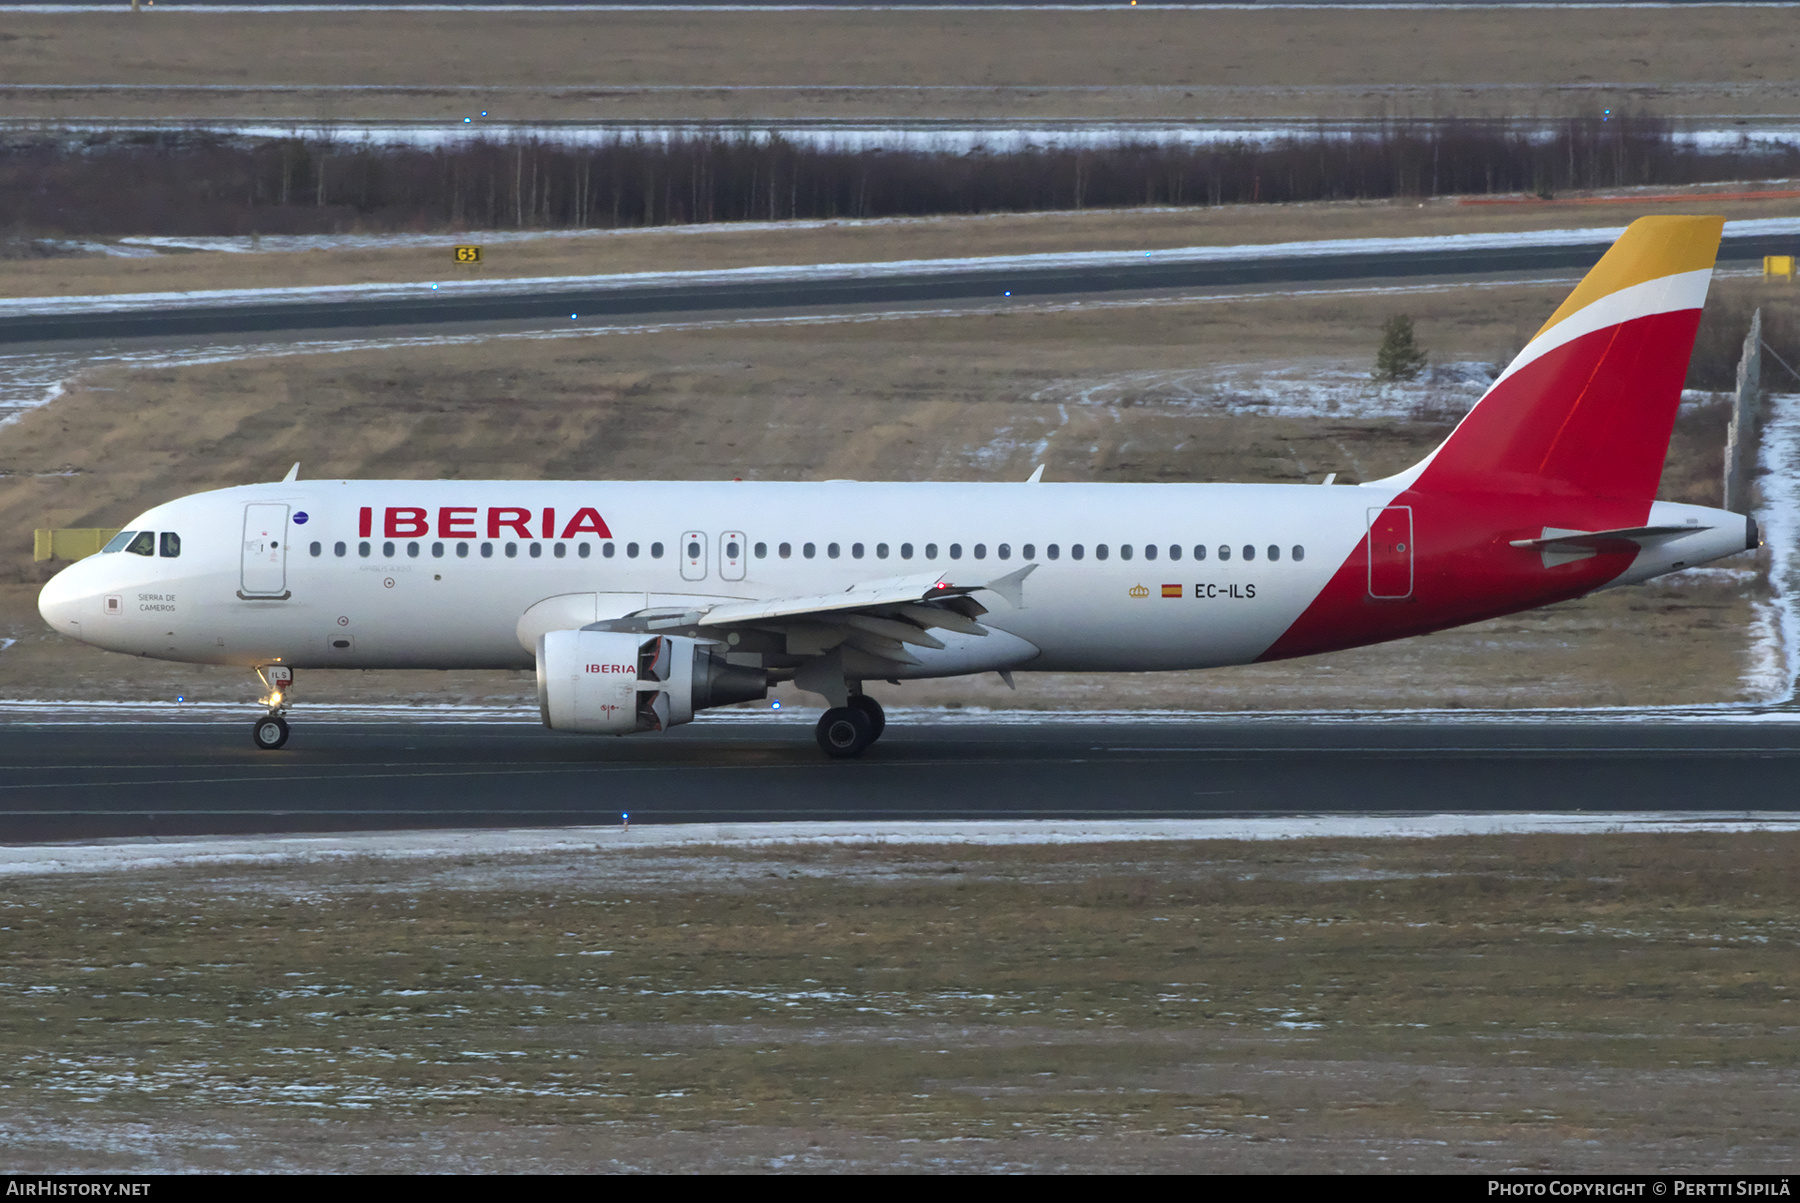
<point>896,591</point>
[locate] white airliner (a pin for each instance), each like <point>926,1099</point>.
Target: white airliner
<point>641,603</point>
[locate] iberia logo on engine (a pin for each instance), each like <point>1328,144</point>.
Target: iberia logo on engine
<point>460,522</point>
<point>612,668</point>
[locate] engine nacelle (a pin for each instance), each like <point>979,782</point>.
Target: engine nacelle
<point>615,682</point>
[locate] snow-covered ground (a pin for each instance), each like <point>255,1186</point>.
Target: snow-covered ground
<point>1775,662</point>
<point>149,855</point>
<point>30,380</point>
<point>935,137</point>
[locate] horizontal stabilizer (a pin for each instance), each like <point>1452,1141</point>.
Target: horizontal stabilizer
<point>1566,546</point>
<point>1598,540</point>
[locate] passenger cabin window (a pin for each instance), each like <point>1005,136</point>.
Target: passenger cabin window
<point>1299,553</point>
<point>512,551</point>
<point>560,550</point>
<point>143,545</point>
<point>537,551</point>
<point>981,551</point>
<point>831,549</point>
<point>1124,551</point>
<point>1199,551</point>
<point>1149,551</point>
<point>462,551</point>
<point>607,549</point>
<point>931,551</point>
<point>785,551</point>
<point>1076,552</point>
<point>487,551</point>
<point>810,550</point>
<point>881,551</point>
<point>387,551</point>
<point>956,551</point>
<point>762,551</point>
<point>656,550</point>
<point>318,549</point>
<point>1029,551</point>
<point>1174,551</point>
<point>1099,551</point>
<point>171,544</point>
<point>412,551</point>
<point>584,550</point>
<point>1004,551</point>
<point>437,551</point>
<point>362,549</point>
<point>118,541</point>
<point>1224,552</point>
<point>338,549</point>
<point>906,551</point>
<point>1274,552</point>
<point>1052,551</point>
<point>856,550</point>
<point>631,551</point>
<point>1249,552</point>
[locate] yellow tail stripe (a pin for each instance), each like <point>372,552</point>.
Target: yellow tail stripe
<point>1649,249</point>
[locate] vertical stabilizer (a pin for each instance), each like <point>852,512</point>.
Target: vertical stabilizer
<point>1588,405</point>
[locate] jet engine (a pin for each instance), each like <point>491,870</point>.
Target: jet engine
<point>614,682</point>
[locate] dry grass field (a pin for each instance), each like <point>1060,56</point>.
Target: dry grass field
<point>1612,1003</point>
<point>716,247</point>
<point>1099,65</point>
<point>1218,390</point>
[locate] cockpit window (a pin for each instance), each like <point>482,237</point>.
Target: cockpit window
<point>171,544</point>
<point>118,541</point>
<point>143,545</point>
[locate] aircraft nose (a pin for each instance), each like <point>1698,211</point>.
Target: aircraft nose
<point>64,600</point>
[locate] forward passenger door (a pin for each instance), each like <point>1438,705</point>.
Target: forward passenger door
<point>263,570</point>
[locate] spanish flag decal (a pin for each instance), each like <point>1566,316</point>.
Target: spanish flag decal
<point>1171,590</point>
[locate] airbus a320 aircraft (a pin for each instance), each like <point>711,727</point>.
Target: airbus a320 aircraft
<point>641,603</point>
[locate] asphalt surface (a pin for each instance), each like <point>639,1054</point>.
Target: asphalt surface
<point>663,301</point>
<point>101,781</point>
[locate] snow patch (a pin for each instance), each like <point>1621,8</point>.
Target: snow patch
<point>147,855</point>
<point>1775,662</point>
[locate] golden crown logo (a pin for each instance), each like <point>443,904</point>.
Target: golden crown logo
<point>1138,591</point>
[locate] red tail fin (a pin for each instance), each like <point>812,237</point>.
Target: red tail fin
<point>1589,404</point>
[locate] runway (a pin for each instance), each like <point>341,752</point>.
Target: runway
<point>99,781</point>
<point>554,303</point>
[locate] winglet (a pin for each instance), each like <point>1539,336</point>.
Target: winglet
<point>1012,586</point>
<point>1036,476</point>
<point>292,476</point>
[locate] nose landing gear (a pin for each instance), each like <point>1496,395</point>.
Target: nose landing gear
<point>271,731</point>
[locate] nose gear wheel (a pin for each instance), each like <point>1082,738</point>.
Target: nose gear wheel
<point>269,732</point>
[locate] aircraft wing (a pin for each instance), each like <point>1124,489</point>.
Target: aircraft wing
<point>895,591</point>
<point>880,618</point>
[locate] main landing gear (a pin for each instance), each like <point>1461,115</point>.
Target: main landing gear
<point>845,732</point>
<point>271,731</point>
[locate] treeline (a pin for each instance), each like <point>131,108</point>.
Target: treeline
<point>194,182</point>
